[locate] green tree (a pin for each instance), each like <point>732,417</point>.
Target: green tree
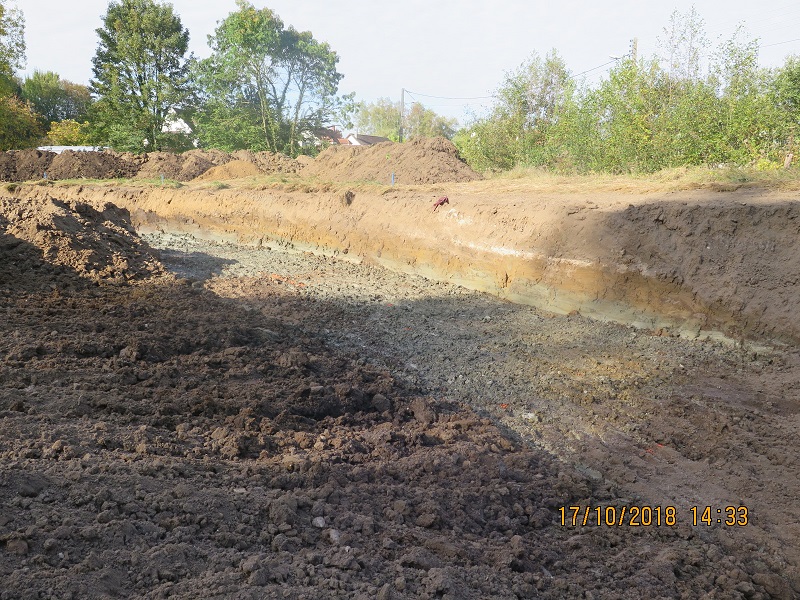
<point>381,117</point>
<point>12,46</point>
<point>265,86</point>
<point>54,98</point>
<point>19,126</point>
<point>421,122</point>
<point>69,133</point>
<point>530,102</point>
<point>12,38</point>
<point>140,74</point>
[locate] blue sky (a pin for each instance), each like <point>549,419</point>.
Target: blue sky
<point>450,48</point>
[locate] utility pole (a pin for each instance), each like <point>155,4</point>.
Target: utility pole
<point>634,49</point>
<point>402,110</point>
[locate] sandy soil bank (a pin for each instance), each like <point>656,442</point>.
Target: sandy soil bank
<point>690,262</point>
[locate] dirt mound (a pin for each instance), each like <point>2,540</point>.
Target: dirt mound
<point>99,245</point>
<point>193,166</point>
<point>230,170</point>
<point>217,157</point>
<point>427,160</point>
<point>268,162</point>
<point>156,164</point>
<point>91,165</point>
<point>23,165</point>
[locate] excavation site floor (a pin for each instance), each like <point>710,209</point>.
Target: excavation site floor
<point>218,404</point>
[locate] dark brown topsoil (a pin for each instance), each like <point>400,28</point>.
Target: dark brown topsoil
<point>419,161</point>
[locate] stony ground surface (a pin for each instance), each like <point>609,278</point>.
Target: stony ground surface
<point>270,424</point>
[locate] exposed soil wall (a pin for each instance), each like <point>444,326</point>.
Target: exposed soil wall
<point>689,262</point>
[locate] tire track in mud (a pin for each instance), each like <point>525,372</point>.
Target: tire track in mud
<point>651,418</point>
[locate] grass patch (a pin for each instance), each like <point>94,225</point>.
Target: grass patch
<point>668,180</point>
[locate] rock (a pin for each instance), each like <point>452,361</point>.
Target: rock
<point>381,403</point>
<point>333,535</point>
<point>129,353</point>
<point>385,593</point>
<point>319,522</point>
<point>777,587</point>
<point>426,520</point>
<point>259,578</point>
<point>419,558</point>
<point>251,564</point>
<point>18,547</point>
<point>423,411</point>
<point>106,516</point>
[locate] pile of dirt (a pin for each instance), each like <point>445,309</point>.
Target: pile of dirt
<point>24,165</point>
<point>98,245</point>
<point>269,162</point>
<point>91,165</point>
<point>425,160</point>
<point>157,164</point>
<point>214,156</point>
<point>230,170</point>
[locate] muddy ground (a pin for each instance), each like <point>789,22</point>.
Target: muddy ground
<point>260,422</point>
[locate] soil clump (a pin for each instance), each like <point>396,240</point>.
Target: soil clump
<point>70,164</point>
<point>24,165</point>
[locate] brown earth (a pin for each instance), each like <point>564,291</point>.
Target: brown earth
<point>90,165</point>
<point>419,161</point>
<point>230,170</point>
<point>24,165</point>
<point>265,423</point>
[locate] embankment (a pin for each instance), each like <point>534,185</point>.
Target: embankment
<point>691,262</point>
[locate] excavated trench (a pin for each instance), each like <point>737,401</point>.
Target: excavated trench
<point>171,375</point>
<point>695,264</point>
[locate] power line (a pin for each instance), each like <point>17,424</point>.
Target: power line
<point>450,97</point>
<point>611,62</point>
<point>595,68</point>
<point>414,97</point>
<point>779,43</point>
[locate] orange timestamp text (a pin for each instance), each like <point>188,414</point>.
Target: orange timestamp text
<point>652,516</point>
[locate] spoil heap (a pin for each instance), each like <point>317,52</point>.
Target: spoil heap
<point>426,160</point>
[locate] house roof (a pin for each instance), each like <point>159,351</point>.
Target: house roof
<point>330,134</point>
<point>368,140</point>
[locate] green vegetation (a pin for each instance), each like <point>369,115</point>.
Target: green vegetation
<point>141,75</point>
<point>54,98</point>
<point>69,133</point>
<point>647,115</point>
<point>19,125</point>
<point>12,38</point>
<point>383,118</point>
<point>265,86</point>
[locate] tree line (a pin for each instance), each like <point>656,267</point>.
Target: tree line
<point>268,86</point>
<point>684,106</point>
<point>265,86</point>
